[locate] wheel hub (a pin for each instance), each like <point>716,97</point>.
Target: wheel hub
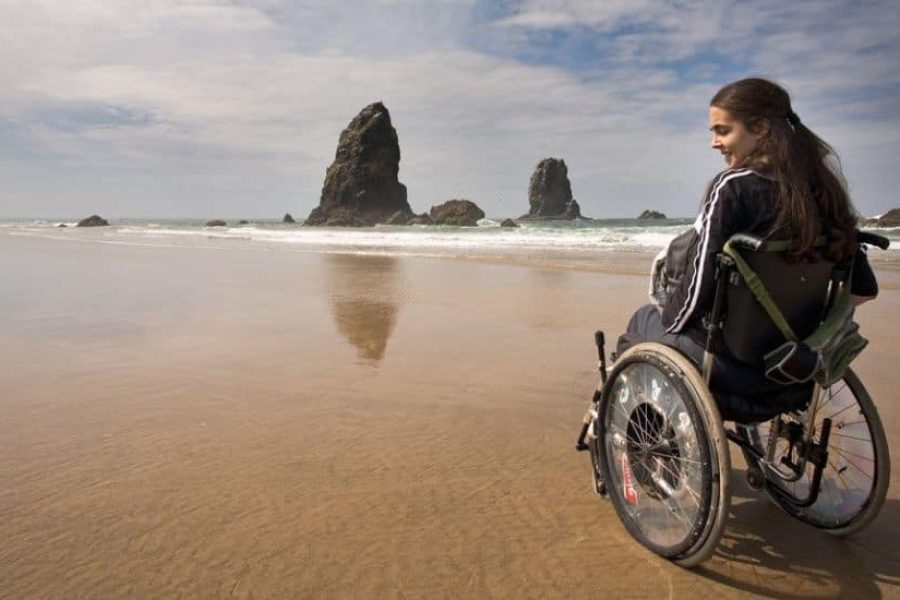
<point>653,453</point>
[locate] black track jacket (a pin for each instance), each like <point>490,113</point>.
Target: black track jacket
<point>738,201</point>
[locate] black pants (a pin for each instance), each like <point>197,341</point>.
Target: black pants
<point>742,392</point>
<point>646,325</point>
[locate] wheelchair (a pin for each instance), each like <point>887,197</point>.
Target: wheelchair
<point>659,447</point>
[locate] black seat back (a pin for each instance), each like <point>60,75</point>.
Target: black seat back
<point>800,291</point>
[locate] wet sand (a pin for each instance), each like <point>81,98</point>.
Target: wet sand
<point>214,423</point>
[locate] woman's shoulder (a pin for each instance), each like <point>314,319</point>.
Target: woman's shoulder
<point>739,182</point>
<point>740,176</point>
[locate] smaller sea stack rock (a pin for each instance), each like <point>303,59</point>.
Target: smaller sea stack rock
<point>651,214</point>
<point>462,213</point>
<point>889,219</point>
<point>550,193</point>
<point>423,219</point>
<point>216,223</point>
<point>288,218</point>
<point>398,218</point>
<point>93,221</point>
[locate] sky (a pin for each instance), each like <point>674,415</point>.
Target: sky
<point>233,109</point>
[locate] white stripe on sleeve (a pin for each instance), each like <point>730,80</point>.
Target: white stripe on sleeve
<point>702,227</point>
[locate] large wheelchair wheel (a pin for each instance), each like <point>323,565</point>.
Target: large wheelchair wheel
<point>855,480</point>
<point>663,453</point>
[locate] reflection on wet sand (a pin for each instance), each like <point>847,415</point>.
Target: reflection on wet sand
<point>365,301</point>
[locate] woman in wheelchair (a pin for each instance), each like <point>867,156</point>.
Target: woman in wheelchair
<point>750,321</point>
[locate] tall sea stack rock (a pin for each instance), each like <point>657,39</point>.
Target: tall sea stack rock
<point>361,186</point>
<point>550,193</point>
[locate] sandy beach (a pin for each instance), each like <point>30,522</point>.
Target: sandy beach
<point>207,423</point>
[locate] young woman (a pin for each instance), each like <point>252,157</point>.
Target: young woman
<point>782,182</point>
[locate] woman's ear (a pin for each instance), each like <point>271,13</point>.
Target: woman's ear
<point>762,128</point>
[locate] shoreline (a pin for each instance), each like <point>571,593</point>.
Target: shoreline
<point>602,259</point>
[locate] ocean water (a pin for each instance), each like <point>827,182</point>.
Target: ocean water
<point>582,238</point>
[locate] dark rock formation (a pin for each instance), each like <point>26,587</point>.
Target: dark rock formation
<point>243,222</point>
<point>889,219</point>
<point>216,223</point>
<point>573,211</point>
<point>341,217</point>
<point>463,213</point>
<point>288,218</point>
<point>508,223</point>
<point>651,214</point>
<point>423,219</point>
<point>398,218</point>
<point>62,225</point>
<point>93,221</point>
<point>550,193</point>
<point>361,185</point>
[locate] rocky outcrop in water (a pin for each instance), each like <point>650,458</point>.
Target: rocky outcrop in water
<point>423,219</point>
<point>398,218</point>
<point>216,223</point>
<point>889,219</point>
<point>361,186</point>
<point>550,193</point>
<point>462,213</point>
<point>93,221</point>
<point>508,223</point>
<point>651,214</point>
<point>288,218</point>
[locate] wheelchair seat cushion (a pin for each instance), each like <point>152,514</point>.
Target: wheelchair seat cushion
<point>762,407</point>
<point>744,393</point>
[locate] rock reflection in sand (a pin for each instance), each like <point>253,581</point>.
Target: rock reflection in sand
<point>365,300</point>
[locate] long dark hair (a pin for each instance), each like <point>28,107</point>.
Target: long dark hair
<point>812,193</point>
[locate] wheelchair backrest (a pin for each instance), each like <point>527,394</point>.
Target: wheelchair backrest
<point>799,289</point>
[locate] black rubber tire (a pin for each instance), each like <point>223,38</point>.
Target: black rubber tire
<point>639,442</point>
<point>817,515</point>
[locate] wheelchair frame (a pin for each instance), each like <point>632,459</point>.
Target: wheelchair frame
<point>765,470</point>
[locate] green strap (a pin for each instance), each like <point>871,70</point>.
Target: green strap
<point>759,291</point>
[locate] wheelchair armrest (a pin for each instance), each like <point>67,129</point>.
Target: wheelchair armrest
<point>867,237</point>
<point>746,241</point>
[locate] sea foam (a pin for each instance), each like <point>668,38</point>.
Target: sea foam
<point>532,237</point>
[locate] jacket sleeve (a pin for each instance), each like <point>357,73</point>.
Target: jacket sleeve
<point>691,297</point>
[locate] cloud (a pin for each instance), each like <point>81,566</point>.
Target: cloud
<point>239,105</point>
<point>538,20</point>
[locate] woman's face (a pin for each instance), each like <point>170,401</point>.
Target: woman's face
<point>731,137</point>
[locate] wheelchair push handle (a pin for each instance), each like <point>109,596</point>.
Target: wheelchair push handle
<point>746,241</point>
<point>873,239</point>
